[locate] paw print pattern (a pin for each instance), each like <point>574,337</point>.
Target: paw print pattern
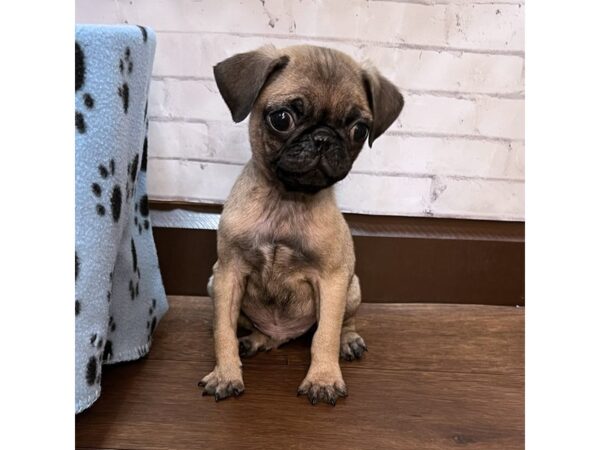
<point>88,100</point>
<point>151,322</point>
<point>112,326</point>
<point>77,302</point>
<point>125,67</point>
<point>132,172</point>
<point>108,351</point>
<point>134,282</point>
<point>141,219</point>
<point>115,196</point>
<point>144,33</point>
<point>76,267</point>
<point>107,354</point>
<point>145,147</point>
<point>142,211</point>
<point>95,341</point>
<point>108,293</point>
<point>92,369</point>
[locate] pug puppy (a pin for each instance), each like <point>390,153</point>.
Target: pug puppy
<point>285,253</point>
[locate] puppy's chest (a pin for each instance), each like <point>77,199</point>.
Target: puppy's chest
<point>279,264</point>
<point>280,291</point>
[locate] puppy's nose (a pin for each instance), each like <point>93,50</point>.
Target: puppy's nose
<point>323,137</point>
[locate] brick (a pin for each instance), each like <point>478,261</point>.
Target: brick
<point>377,194</point>
<point>94,11</point>
<point>206,141</point>
<point>504,118</point>
<point>190,180</point>
<point>190,99</point>
<point>515,167</point>
<point>486,27</point>
<point>437,114</point>
<point>178,140</point>
<point>440,156</point>
<point>479,199</point>
<point>372,21</point>
<point>478,116</point>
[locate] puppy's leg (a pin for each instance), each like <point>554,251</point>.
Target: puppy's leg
<point>227,291</point>
<point>324,381</point>
<point>352,345</point>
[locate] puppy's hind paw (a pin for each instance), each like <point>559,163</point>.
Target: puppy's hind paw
<point>247,347</point>
<point>252,344</point>
<point>352,346</point>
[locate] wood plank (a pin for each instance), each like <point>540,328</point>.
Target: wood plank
<point>156,404</point>
<point>435,377</point>
<point>455,338</point>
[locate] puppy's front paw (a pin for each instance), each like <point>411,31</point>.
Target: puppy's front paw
<point>323,385</point>
<point>223,382</point>
<point>352,346</point>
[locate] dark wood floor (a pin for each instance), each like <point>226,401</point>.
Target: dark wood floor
<point>435,377</point>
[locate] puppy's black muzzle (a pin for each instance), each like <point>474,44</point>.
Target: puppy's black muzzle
<point>313,161</point>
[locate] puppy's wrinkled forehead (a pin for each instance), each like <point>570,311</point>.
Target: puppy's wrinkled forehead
<point>329,81</point>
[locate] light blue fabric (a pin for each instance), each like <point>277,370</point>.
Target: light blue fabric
<point>118,289</point>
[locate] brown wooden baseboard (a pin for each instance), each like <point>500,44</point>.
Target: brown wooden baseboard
<point>403,259</point>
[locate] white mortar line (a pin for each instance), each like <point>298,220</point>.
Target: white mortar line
<point>355,42</point>
<point>462,95</point>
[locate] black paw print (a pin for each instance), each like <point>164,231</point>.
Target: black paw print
<point>116,197</point>
<point>88,100</point>
<point>144,33</point>
<point>92,372</point>
<point>134,282</point>
<point>112,326</point>
<point>107,355</point>
<point>144,165</point>
<point>76,266</point>
<point>96,341</point>
<point>141,219</point>
<point>109,292</point>
<point>125,67</point>
<point>132,172</point>
<point>151,322</point>
<point>77,302</point>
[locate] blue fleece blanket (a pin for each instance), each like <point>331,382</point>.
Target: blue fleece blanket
<point>119,295</point>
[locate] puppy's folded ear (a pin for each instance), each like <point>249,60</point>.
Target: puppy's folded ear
<point>385,101</point>
<point>241,78</point>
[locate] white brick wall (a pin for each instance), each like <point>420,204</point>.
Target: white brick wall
<point>457,149</point>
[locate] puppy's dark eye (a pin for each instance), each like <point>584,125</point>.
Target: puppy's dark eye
<point>281,120</point>
<point>359,132</point>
